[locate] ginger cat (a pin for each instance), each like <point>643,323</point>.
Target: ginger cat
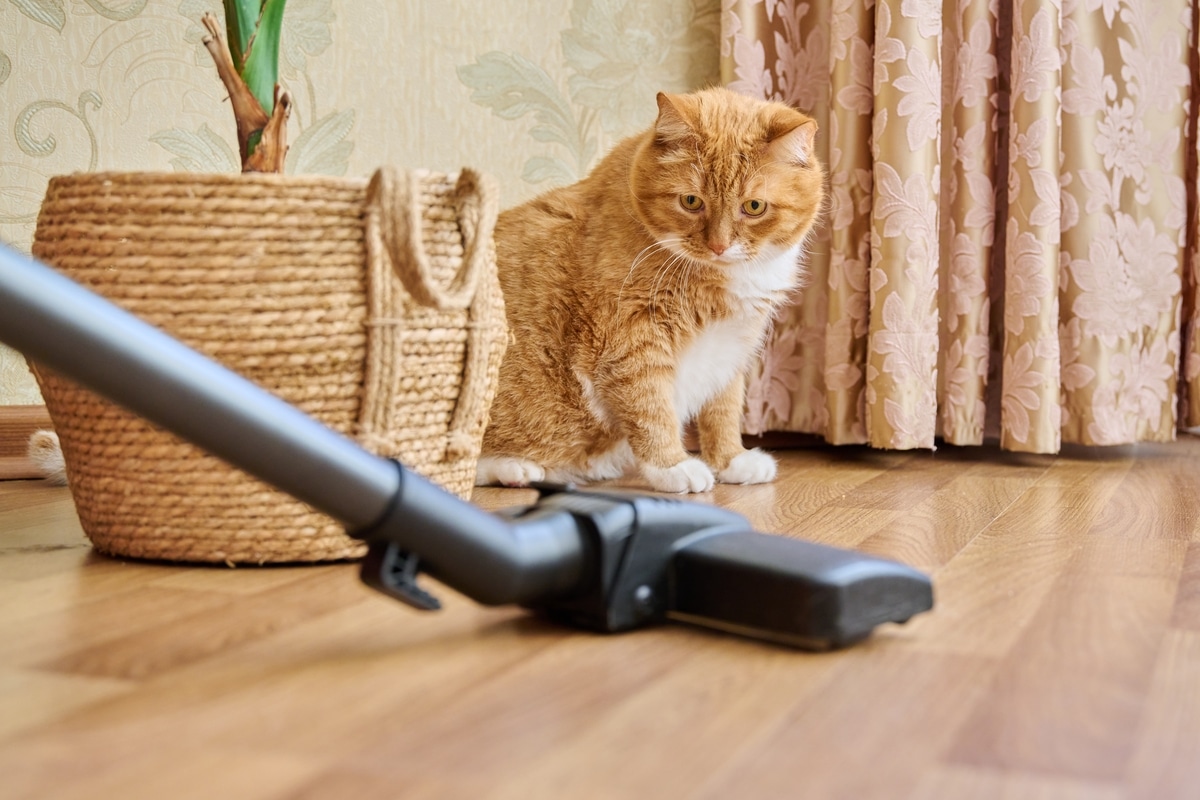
<point>638,297</point>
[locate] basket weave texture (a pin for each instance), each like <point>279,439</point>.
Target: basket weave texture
<point>372,306</point>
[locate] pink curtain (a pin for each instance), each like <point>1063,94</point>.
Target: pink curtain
<point>1009,248</point>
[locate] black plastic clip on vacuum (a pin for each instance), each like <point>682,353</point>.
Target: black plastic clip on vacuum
<point>603,560</point>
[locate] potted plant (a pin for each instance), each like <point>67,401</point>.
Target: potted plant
<point>248,64</point>
<point>371,305</point>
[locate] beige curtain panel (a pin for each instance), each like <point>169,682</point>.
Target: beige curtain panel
<point>1009,250</point>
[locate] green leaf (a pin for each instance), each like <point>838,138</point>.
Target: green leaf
<point>306,34</point>
<point>198,151</point>
<point>546,134</point>
<point>122,14</point>
<point>261,70</point>
<point>322,149</point>
<point>540,169</point>
<point>240,18</point>
<point>47,12</point>
<point>512,86</point>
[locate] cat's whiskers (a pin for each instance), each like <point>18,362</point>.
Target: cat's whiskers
<point>699,309</point>
<point>679,262</point>
<point>666,267</point>
<point>688,272</point>
<point>640,258</point>
<point>663,244</point>
<point>754,172</point>
<point>652,306</point>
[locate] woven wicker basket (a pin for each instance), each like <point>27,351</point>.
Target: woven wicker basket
<point>372,306</point>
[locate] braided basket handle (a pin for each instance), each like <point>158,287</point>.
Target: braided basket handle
<point>395,244</point>
<point>394,214</point>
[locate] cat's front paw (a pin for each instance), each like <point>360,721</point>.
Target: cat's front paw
<point>507,471</point>
<point>752,466</point>
<point>690,475</point>
<point>46,452</point>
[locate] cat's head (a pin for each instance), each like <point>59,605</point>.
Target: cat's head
<point>725,179</point>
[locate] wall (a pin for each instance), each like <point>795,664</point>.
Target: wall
<point>532,92</point>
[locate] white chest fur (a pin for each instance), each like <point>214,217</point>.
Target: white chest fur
<point>712,360</point>
<point>724,348</point>
<point>767,276</point>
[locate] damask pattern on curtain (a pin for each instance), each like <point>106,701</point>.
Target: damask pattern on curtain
<point>1009,247</point>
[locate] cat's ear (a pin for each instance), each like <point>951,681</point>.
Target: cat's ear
<point>795,146</point>
<point>672,124</point>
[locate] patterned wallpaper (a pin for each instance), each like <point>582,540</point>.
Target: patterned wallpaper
<point>532,92</point>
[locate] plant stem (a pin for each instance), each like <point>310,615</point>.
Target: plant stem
<point>271,150</point>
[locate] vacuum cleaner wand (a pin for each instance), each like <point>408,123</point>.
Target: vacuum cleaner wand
<point>604,560</point>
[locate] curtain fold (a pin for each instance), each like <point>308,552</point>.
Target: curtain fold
<point>1009,250</point>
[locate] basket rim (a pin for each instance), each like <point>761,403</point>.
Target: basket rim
<point>136,177</point>
<point>428,447</point>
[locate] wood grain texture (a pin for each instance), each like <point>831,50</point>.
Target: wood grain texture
<point>1062,659</point>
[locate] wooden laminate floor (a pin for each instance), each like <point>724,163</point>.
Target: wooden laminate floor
<point>1062,659</point>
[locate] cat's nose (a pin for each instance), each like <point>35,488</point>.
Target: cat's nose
<point>718,248</point>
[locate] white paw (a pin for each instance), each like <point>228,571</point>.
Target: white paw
<point>752,466</point>
<point>691,475</point>
<point>507,471</point>
<point>46,452</point>
<point>612,464</point>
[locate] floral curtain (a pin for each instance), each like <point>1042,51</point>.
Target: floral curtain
<point>1009,247</point>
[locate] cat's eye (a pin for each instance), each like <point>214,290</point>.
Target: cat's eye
<point>754,208</point>
<point>691,202</point>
